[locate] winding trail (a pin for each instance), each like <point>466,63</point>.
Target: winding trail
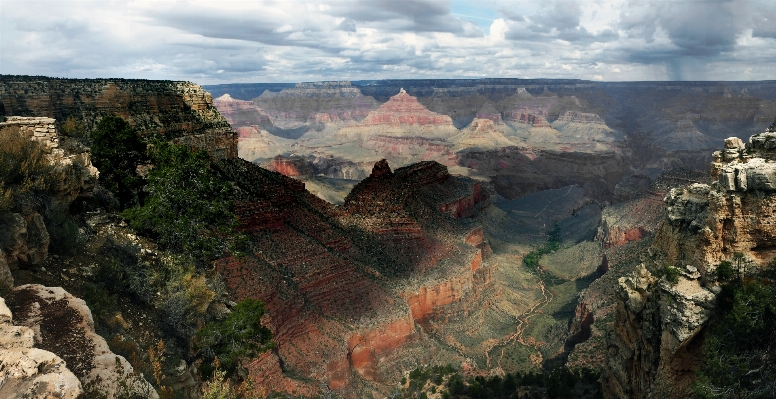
<point>522,322</point>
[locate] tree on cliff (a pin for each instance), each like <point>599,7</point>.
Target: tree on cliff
<point>241,335</point>
<point>116,152</point>
<point>188,208</point>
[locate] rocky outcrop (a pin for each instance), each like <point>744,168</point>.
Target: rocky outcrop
<point>24,238</point>
<point>291,167</point>
<point>241,113</point>
<point>655,346</point>
<point>528,118</point>
<point>28,372</point>
<point>480,134</point>
<point>654,349</point>
<point>6,278</point>
<point>489,111</point>
<point>316,102</point>
<point>63,325</point>
<point>402,115</point>
<point>178,111</point>
<point>411,148</point>
<point>405,109</point>
<point>580,117</point>
<point>631,220</point>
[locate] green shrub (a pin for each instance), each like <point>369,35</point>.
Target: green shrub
<point>725,271</point>
<point>669,272</point>
<point>26,173</point>
<point>740,349</point>
<point>72,127</point>
<point>116,152</point>
<point>531,260</point>
<point>188,209</point>
<point>240,335</point>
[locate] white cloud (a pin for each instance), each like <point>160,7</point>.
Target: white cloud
<point>295,40</point>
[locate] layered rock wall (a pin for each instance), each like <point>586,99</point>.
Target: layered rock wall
<point>655,347</point>
<point>178,111</point>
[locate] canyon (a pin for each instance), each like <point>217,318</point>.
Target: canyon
<point>388,221</point>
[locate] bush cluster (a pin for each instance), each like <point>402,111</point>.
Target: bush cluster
<point>116,151</point>
<point>531,260</point>
<point>240,335</point>
<point>558,383</point>
<point>26,173</point>
<point>740,349</point>
<point>669,272</point>
<point>188,208</point>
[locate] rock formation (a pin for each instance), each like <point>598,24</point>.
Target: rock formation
<point>319,102</point>
<point>178,111</point>
<point>24,238</point>
<point>489,111</point>
<point>63,325</point>
<point>332,291</point>
<point>657,337</point>
<point>28,372</point>
<point>402,115</point>
<point>580,117</point>
<point>481,134</point>
<point>241,113</point>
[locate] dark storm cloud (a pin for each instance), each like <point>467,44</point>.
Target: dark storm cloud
<point>696,28</point>
<point>348,25</point>
<point>561,22</point>
<point>764,23</point>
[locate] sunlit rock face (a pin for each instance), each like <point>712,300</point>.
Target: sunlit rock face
<point>402,115</point>
<point>656,343</point>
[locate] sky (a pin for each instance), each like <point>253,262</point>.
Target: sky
<point>212,42</point>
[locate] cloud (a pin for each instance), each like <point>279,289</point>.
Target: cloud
<point>296,40</point>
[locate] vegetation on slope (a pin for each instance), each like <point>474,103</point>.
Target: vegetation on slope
<point>116,152</point>
<point>740,348</point>
<point>446,382</point>
<point>139,294</point>
<point>188,208</point>
<point>531,260</point>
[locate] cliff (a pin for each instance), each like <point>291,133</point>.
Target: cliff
<point>344,283</point>
<point>178,111</point>
<point>659,328</point>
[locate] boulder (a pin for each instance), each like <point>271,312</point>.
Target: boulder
<point>27,372</point>
<point>63,324</point>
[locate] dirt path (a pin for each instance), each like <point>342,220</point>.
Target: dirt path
<point>522,322</point>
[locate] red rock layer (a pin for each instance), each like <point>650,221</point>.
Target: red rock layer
<point>327,299</point>
<point>630,221</point>
<point>289,167</point>
<point>528,118</point>
<point>405,109</point>
<point>465,206</point>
